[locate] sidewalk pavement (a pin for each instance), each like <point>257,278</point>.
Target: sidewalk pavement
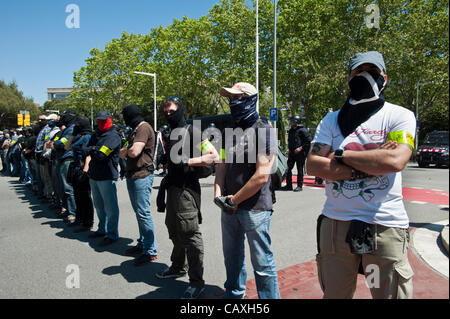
<point>428,256</point>
<point>300,281</point>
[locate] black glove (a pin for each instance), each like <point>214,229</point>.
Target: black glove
<point>83,177</point>
<point>224,204</point>
<point>161,198</point>
<point>92,149</point>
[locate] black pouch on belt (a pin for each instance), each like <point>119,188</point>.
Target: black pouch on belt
<point>361,237</point>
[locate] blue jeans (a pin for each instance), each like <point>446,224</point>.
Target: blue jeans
<point>25,173</point>
<point>37,177</point>
<point>67,189</point>
<point>140,190</point>
<point>104,197</point>
<point>254,225</point>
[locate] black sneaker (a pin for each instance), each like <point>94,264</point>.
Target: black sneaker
<point>298,189</point>
<point>107,241</point>
<point>82,229</point>
<point>96,235</point>
<point>144,259</point>
<point>286,188</point>
<point>169,273</point>
<point>134,251</point>
<point>193,292</point>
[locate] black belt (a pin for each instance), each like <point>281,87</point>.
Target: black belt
<point>148,168</point>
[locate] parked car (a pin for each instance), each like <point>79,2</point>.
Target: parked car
<point>434,150</point>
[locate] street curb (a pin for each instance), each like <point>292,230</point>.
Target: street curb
<point>444,238</point>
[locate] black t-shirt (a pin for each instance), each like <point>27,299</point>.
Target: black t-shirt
<point>243,166</point>
<point>299,137</point>
<point>179,174</point>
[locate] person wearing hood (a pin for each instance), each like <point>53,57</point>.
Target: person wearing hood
<point>102,161</point>
<point>50,154</point>
<point>139,155</point>
<point>78,176</point>
<point>44,162</point>
<point>183,215</point>
<point>2,153</point>
<point>44,129</point>
<point>299,141</point>
<point>361,150</point>
<point>246,185</point>
<point>64,158</point>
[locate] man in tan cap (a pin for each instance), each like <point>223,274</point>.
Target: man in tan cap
<point>248,198</point>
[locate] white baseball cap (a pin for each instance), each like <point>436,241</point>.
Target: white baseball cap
<point>239,88</point>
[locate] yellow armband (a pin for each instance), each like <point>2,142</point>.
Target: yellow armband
<point>105,150</point>
<point>401,137</point>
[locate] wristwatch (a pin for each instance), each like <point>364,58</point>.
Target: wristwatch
<point>339,155</point>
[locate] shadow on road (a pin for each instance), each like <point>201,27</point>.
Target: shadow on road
<point>41,210</point>
<point>166,288</point>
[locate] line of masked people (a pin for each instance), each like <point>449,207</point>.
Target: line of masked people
<point>84,169</point>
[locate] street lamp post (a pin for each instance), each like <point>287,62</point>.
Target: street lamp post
<point>417,111</point>
<point>257,56</point>
<point>275,56</point>
<point>154,94</point>
<point>92,115</point>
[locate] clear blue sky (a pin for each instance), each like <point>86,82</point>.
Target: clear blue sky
<point>38,51</point>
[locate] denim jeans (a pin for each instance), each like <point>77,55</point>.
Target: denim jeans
<point>140,190</point>
<point>68,198</point>
<point>25,173</point>
<point>37,176</point>
<point>104,196</point>
<point>255,225</point>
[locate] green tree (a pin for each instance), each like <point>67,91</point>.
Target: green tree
<point>12,101</point>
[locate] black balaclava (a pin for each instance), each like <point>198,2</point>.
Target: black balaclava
<point>176,119</point>
<point>132,115</point>
<point>42,124</point>
<point>67,119</point>
<point>52,123</point>
<point>244,111</point>
<point>366,99</point>
<point>36,129</point>
<point>82,126</point>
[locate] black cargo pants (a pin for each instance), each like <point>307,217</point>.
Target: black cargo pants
<point>182,221</point>
<point>293,159</point>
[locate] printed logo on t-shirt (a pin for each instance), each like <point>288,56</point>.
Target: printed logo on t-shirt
<point>363,188</point>
<point>362,139</point>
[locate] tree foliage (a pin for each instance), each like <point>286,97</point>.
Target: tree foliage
<point>12,102</point>
<point>193,58</point>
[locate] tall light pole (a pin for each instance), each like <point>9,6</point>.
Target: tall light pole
<point>257,56</point>
<point>275,55</point>
<point>154,94</point>
<point>417,111</point>
<point>92,115</point>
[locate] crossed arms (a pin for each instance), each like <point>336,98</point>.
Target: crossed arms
<point>391,157</point>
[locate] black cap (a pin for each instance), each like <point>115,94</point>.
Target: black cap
<point>103,116</point>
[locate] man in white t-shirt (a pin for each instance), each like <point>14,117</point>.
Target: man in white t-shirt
<point>361,150</point>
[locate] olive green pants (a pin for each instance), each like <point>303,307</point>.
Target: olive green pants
<point>387,270</point>
<point>183,226</point>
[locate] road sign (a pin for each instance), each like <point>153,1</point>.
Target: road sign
<point>273,114</point>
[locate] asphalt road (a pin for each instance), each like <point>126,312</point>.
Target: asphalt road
<point>38,251</point>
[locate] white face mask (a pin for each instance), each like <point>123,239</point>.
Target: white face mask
<point>373,84</point>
